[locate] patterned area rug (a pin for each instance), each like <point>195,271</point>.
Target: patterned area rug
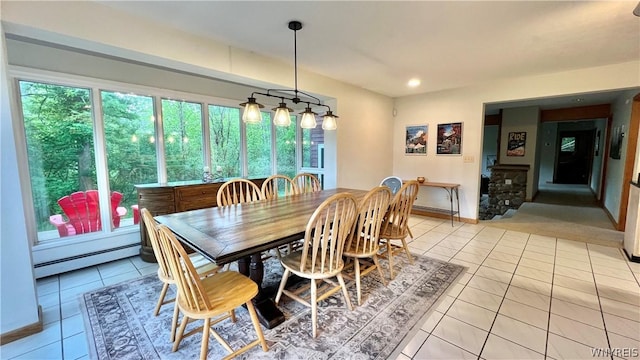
<point>120,324</point>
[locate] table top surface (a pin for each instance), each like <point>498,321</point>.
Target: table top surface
<point>228,233</point>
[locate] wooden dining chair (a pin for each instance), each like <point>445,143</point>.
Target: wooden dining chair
<point>306,183</point>
<point>278,185</point>
<point>395,226</point>
<point>238,191</point>
<point>212,299</point>
<point>394,183</point>
<point>362,243</point>
<point>321,255</point>
<point>203,266</point>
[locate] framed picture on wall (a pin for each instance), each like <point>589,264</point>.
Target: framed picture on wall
<point>516,143</point>
<point>449,139</point>
<point>416,140</point>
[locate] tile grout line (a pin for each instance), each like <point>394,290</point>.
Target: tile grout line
<point>553,279</point>
<point>595,283</point>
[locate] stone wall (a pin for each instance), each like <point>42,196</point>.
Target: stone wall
<point>507,189</point>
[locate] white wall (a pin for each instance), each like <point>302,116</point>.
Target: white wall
<point>18,301</point>
<point>489,146</point>
<point>547,150</point>
<point>466,105</point>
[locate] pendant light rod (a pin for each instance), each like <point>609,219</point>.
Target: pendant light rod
<point>252,108</point>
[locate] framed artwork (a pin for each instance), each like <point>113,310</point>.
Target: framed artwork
<point>516,143</point>
<point>449,139</point>
<point>416,140</point>
<point>615,149</point>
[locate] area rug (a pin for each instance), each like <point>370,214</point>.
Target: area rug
<point>119,319</point>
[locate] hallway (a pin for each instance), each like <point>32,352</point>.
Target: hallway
<point>564,211</point>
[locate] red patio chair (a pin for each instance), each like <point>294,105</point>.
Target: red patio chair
<point>82,210</point>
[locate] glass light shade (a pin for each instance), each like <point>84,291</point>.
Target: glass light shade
<point>282,116</point>
<point>308,120</point>
<point>252,113</point>
<point>329,121</point>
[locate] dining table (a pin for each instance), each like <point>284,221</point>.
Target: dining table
<point>242,232</point>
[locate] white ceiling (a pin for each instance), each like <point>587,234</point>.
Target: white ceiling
<point>380,45</point>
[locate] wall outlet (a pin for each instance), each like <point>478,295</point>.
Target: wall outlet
<point>507,181</point>
<point>506,202</point>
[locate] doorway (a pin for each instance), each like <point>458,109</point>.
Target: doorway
<point>574,157</point>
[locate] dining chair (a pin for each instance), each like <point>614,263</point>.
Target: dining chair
<point>394,183</point>
<point>395,225</point>
<point>306,183</point>
<point>212,299</point>
<point>238,191</point>
<point>203,266</point>
<point>278,185</point>
<point>321,255</point>
<point>362,243</point>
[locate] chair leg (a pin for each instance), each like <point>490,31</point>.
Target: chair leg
<point>256,325</point>
<point>180,333</point>
<point>356,268</point>
<point>174,321</point>
<point>390,258</point>
<point>406,250</point>
<point>163,293</point>
<point>204,346</point>
<point>377,263</point>
<point>283,282</point>
<point>410,233</point>
<point>314,308</point>
<point>344,291</point>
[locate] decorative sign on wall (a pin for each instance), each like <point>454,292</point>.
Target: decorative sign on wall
<point>416,140</point>
<point>615,150</point>
<point>449,139</point>
<point>516,143</point>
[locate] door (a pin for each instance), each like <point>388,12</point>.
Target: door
<point>574,157</point>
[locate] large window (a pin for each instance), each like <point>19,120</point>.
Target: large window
<point>101,151</point>
<point>60,147</point>
<point>182,124</point>
<point>224,127</point>
<point>259,147</point>
<point>130,143</point>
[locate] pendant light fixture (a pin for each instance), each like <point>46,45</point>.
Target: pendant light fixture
<point>282,117</point>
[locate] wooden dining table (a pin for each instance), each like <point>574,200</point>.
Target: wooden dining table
<point>242,232</point>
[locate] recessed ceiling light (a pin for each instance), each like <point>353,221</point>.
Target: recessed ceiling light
<point>413,83</point>
<point>578,99</point>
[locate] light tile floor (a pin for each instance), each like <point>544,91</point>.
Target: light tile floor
<point>524,296</point>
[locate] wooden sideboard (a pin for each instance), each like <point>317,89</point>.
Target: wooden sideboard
<point>169,198</point>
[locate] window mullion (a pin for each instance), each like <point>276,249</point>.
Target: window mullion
<point>159,134</point>
<point>100,148</point>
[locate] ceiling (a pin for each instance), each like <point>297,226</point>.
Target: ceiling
<point>380,45</point>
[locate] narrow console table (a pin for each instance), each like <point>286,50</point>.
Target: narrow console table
<point>451,189</point>
<point>173,197</point>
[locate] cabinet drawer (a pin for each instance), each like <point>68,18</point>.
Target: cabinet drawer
<point>194,193</point>
<point>157,201</point>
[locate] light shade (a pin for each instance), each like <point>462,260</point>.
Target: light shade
<point>329,121</point>
<point>308,120</point>
<point>282,116</point>
<point>252,113</point>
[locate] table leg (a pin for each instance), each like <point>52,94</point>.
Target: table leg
<point>268,313</point>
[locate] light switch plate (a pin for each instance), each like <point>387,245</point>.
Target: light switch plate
<point>507,181</point>
<point>468,158</point>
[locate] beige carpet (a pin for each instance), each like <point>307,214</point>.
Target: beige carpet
<point>563,211</point>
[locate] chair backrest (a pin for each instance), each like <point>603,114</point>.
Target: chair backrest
<point>363,238</point>
<point>278,185</point>
<point>238,191</point>
<point>190,289</point>
<point>326,233</point>
<point>306,183</point>
<point>152,230</point>
<point>396,220</point>
<point>394,183</point>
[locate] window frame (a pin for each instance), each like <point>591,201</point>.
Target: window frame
<point>96,87</point>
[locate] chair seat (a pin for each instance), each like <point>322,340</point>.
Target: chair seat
<point>226,291</point>
<point>203,266</point>
<point>393,231</point>
<point>292,262</point>
<point>354,252</point>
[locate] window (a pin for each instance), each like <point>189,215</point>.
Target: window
<point>182,125</point>
<point>568,144</point>
<point>259,147</point>
<point>74,145</point>
<point>59,135</point>
<point>286,149</point>
<point>130,142</point>
<point>224,129</point>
